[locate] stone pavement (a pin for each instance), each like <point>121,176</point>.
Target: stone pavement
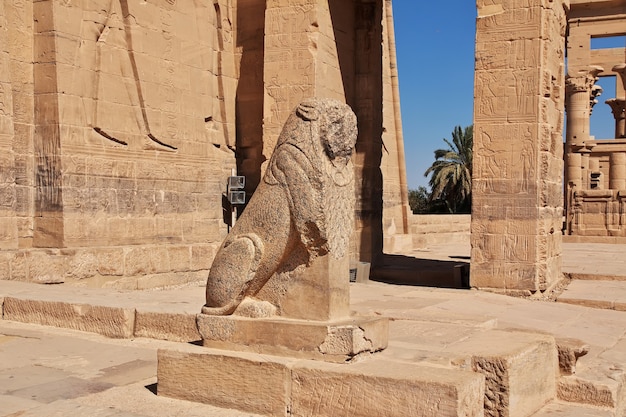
<point>50,371</point>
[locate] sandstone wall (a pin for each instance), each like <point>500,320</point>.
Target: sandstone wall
<point>123,119</point>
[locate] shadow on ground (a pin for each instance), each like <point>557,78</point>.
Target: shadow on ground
<point>408,270</point>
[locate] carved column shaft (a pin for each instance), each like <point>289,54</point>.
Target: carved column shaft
<point>574,169</point>
<point>617,171</point>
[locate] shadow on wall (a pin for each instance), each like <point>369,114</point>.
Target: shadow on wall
<point>407,270</point>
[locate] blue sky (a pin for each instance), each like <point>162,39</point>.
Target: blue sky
<point>435,51</point>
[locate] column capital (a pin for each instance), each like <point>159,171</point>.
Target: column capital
<point>583,80</point>
<point>621,70</point>
<point>618,106</point>
<point>596,91</point>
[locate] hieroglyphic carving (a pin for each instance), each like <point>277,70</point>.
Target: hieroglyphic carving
<point>516,149</point>
<point>289,62</point>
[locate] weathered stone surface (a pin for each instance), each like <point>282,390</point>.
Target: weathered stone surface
<point>109,321</point>
<point>569,352</point>
<point>385,389</point>
<point>338,341</point>
<point>216,378</point>
<point>166,326</point>
<point>600,384</point>
<point>516,178</point>
<point>520,370</point>
<point>277,387</point>
<point>290,246</point>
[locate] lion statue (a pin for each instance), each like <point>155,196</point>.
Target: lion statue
<point>302,209</point>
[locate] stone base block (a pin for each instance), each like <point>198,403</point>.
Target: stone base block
<point>177,327</point>
<point>278,386</point>
<point>337,341</point>
<point>117,322</point>
<point>520,370</point>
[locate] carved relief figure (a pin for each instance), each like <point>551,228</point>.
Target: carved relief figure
<point>113,29</point>
<point>305,204</point>
<point>149,100</point>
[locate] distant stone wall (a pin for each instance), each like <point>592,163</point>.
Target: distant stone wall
<point>598,213</point>
<point>429,229</point>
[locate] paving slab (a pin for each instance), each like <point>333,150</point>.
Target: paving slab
<point>47,371</point>
<point>607,294</point>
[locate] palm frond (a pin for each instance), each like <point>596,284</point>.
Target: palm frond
<point>451,172</point>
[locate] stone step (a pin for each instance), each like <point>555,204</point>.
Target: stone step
<point>520,368</point>
<point>610,295</point>
<point>438,228</point>
<point>593,277</point>
<point>166,315</point>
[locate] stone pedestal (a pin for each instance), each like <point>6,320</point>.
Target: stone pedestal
<point>336,341</point>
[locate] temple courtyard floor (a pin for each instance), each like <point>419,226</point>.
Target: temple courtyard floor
<point>72,351</point>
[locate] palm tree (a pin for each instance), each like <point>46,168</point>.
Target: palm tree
<point>451,180</point>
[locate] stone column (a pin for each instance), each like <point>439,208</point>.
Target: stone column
<point>518,154</point>
<point>618,107</point>
<point>584,171</point>
<point>579,99</point>
<point>617,171</point>
<point>574,169</point>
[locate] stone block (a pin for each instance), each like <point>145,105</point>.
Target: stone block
<point>599,384</point>
<point>252,383</point>
<point>520,370</point>
<point>114,322</point>
<point>379,388</point>
<point>166,326</point>
<point>337,341</point>
<point>277,386</point>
